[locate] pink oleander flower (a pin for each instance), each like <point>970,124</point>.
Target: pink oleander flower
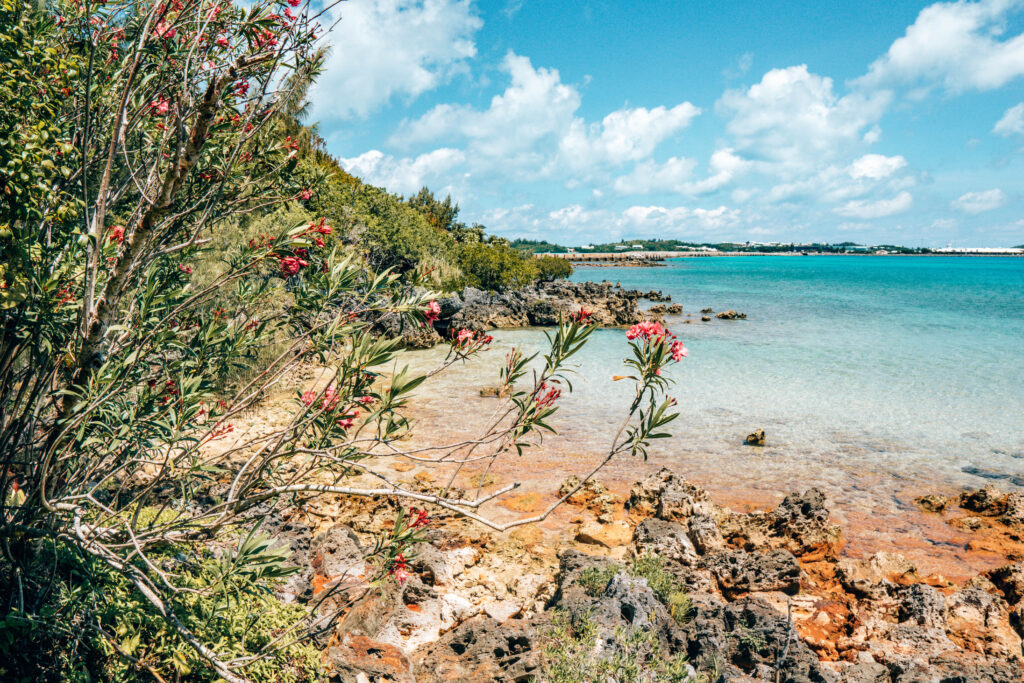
<point>463,336</point>
<point>308,397</point>
<point>290,265</point>
<point>294,3</point>
<point>679,351</point>
<point>581,316</point>
<point>546,399</point>
<point>306,194</point>
<point>647,330</point>
<point>116,234</point>
<point>400,569</point>
<point>348,421</point>
<point>185,269</point>
<point>418,518</point>
<point>159,106</point>
<point>330,397</point>
<point>241,88</point>
<point>433,312</point>
<point>164,31</point>
<point>365,400</point>
<point>223,42</point>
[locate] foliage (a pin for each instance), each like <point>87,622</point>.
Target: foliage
<point>594,580</point>
<point>572,655</point>
<point>551,268</point>
<point>665,585</point>
<point>495,266</point>
<point>538,246</point>
<point>171,259</point>
<point>223,602</point>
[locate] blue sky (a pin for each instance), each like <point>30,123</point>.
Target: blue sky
<point>874,122</point>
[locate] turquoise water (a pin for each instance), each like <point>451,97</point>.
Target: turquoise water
<point>897,363</point>
<point>875,378</point>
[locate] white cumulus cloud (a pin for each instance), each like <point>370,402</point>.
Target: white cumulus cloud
<point>794,120</point>
<point>867,209</point>
<point>876,166</point>
<point>1012,122</point>
<point>532,127</point>
<point>404,175</point>
<point>958,45</point>
<point>977,202</point>
<point>381,49</point>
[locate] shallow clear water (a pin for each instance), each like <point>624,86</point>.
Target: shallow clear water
<point>876,378</point>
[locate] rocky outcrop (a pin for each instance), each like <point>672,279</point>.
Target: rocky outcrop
<point>540,305</point>
<point>731,315</point>
<point>482,649</point>
<point>741,596</point>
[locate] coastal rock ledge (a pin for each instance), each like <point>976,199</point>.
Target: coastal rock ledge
<point>539,306</point>
<point>685,589</point>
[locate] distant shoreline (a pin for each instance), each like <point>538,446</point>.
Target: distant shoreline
<point>655,262</point>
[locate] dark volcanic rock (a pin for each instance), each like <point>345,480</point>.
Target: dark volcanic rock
<point>749,635</point>
<point>667,540</point>
<point>542,304</point>
<point>755,438</point>
<point>738,571</point>
<point>481,649</point>
<point>923,605</point>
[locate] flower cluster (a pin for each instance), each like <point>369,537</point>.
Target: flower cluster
<point>467,341</point>
<point>432,313</point>
<point>546,396</point>
<point>117,234</point>
<point>329,400</point>
<point>400,569</point>
<point>582,316</point>
<point>419,518</point>
<point>654,334</point>
<point>317,228</point>
<point>290,265</point>
<point>348,420</point>
<point>159,106</point>
<point>648,330</point>
<point>679,351</point>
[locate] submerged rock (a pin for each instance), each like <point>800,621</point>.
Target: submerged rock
<point>933,503</point>
<point>755,438</point>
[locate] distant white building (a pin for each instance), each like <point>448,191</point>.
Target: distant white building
<point>979,250</point>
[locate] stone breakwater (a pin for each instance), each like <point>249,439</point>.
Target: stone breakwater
<point>760,596</point>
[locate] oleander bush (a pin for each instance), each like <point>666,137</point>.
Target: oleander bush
<point>169,259</point>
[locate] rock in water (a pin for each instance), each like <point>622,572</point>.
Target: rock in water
<point>933,503</point>
<point>755,439</point>
<point>731,315</point>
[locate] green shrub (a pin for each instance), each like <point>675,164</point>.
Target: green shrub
<point>570,655</point>
<point>664,585</point>
<point>551,268</point>
<point>495,266</point>
<point>594,580</point>
<point>229,610</point>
